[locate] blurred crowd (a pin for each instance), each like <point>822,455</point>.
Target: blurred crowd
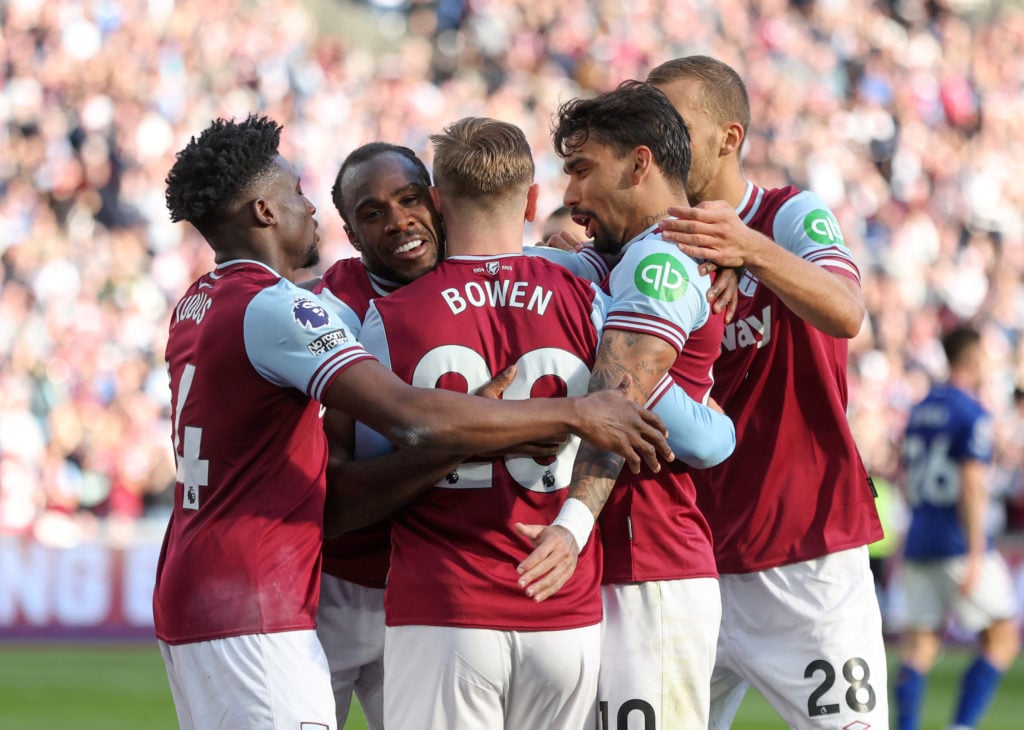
<point>906,117</point>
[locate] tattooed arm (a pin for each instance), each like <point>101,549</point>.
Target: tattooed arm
<point>642,360</point>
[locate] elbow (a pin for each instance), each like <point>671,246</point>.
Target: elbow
<point>711,451</point>
<point>851,319</point>
<point>850,328</point>
<point>720,451</point>
<point>846,325</point>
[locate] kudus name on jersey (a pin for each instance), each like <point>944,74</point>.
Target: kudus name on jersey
<point>749,331</point>
<point>192,307</point>
<point>505,293</point>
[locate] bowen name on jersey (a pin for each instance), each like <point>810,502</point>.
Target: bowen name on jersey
<point>505,293</point>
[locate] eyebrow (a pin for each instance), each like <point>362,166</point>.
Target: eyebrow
<point>572,162</point>
<point>417,187</point>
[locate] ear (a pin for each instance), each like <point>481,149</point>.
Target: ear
<point>435,197</point>
<point>263,212</point>
<point>531,202</point>
<point>733,139</point>
<point>643,160</point>
<point>352,239</point>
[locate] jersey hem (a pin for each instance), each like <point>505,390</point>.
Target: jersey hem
<point>309,626</point>
<point>613,580</point>
<point>492,626</point>
<point>780,562</point>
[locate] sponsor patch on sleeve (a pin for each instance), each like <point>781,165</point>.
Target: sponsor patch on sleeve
<point>328,341</point>
<point>823,228</point>
<point>661,276</point>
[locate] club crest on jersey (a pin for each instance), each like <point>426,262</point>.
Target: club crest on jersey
<point>491,267</point>
<point>748,284</point>
<point>309,314</point>
<point>661,276</point>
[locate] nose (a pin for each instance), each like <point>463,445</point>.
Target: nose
<point>571,197</point>
<point>397,219</point>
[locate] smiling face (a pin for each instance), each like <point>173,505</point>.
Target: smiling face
<point>599,195</point>
<point>391,218</point>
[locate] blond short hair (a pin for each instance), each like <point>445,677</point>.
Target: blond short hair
<point>482,160</point>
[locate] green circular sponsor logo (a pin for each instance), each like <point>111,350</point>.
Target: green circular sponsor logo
<point>823,228</point>
<point>661,276</point>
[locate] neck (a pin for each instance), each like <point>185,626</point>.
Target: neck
<point>251,250</point>
<point>728,185</point>
<point>963,381</point>
<point>467,236</point>
<point>653,208</point>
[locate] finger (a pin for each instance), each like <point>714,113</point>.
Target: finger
<point>707,268</point>
<point>530,532</point>
<point>730,310</point>
<point>677,215</point>
<point>498,383</point>
<point>649,455</point>
<point>536,564</point>
<point>535,558</point>
<point>656,437</point>
<point>633,461</point>
<point>572,240</point>
<point>551,583</point>
<point>565,241</point>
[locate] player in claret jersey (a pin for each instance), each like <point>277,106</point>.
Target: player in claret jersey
<point>249,356</point>
<point>464,644</point>
<point>382,194</point>
<point>627,154</point>
<point>950,563</point>
<point>792,510</point>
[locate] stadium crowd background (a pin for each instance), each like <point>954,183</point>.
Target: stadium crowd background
<point>906,117</point>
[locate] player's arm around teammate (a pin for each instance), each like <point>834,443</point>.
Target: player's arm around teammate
<point>714,232</point>
<point>361,492</point>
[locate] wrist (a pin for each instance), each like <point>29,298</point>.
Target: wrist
<point>577,518</point>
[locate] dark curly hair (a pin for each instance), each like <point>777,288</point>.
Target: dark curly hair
<point>633,114</point>
<point>366,153</point>
<point>212,172</point>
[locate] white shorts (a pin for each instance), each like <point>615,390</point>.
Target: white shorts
<point>932,591</point>
<point>439,677</point>
<point>350,624</point>
<point>253,681</point>
<point>808,636</point>
<point>657,653</point>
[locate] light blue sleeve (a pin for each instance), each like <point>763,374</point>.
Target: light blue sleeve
<point>587,264</point>
<point>293,340</point>
<point>342,310</point>
<point>698,435</point>
<point>370,443</point>
<point>807,228</point>
<point>658,290</point>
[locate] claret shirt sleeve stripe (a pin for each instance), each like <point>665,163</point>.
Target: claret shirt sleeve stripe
<point>337,363</point>
<point>648,325</point>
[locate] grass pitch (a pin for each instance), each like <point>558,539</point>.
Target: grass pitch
<point>124,687</point>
